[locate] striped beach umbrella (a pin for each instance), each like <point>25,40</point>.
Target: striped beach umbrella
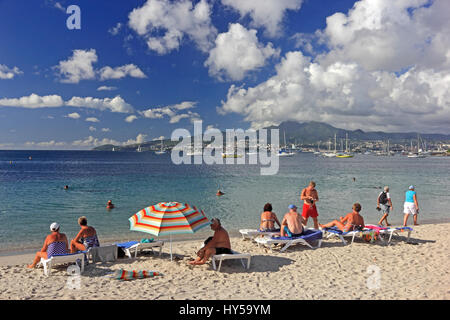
<point>169,218</point>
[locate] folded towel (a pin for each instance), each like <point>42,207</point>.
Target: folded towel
<point>104,254</point>
<point>146,240</point>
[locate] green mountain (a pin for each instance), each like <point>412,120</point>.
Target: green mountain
<point>313,132</point>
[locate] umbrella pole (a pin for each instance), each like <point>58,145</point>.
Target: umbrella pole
<point>170,247</point>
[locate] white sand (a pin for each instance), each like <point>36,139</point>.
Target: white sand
<point>334,271</point>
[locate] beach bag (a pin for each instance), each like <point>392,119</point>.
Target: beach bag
<point>371,237</point>
<point>383,198</point>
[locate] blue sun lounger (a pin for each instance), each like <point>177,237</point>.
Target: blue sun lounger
<point>308,235</point>
<point>129,246</point>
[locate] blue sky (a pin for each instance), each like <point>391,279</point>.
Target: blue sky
<point>231,64</point>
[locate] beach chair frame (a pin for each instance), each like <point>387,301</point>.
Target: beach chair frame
<point>138,247</point>
<point>391,232</point>
<point>236,255</point>
<point>327,234</point>
<point>61,259</point>
<point>270,242</point>
<point>254,233</point>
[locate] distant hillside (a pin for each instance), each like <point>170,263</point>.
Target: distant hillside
<point>312,132</point>
<point>305,133</point>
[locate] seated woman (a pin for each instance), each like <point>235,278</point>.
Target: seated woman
<point>268,219</point>
<point>85,239</point>
<point>55,243</point>
<point>352,221</point>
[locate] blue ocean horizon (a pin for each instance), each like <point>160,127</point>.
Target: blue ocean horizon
<point>32,194</point>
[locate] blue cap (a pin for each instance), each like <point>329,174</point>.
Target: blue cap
<point>411,187</point>
<point>292,206</point>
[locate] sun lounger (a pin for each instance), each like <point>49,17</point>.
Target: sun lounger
<point>136,246</point>
<point>333,231</point>
<point>61,259</point>
<point>235,255</point>
<point>308,236</point>
<point>253,233</point>
<point>391,231</point>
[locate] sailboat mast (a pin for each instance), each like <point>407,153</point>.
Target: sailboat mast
<point>335,143</point>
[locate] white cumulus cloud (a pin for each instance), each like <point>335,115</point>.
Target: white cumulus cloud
<point>116,104</point>
<point>237,52</point>
<point>8,73</point>
<point>164,24</point>
<point>33,101</point>
<point>121,72</point>
<point>265,13</point>
<point>80,67</point>
<point>386,67</point>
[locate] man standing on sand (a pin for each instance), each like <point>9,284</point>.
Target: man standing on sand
<point>218,244</point>
<point>291,226</point>
<point>310,196</point>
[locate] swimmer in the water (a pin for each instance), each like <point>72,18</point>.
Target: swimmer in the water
<point>66,187</point>
<point>109,205</point>
<point>219,193</point>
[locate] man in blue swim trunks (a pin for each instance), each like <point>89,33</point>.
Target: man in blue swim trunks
<point>292,224</point>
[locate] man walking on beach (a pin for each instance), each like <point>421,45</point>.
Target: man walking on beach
<point>218,244</point>
<point>310,196</point>
<point>291,225</point>
<point>384,204</point>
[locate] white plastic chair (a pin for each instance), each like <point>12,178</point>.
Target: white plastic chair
<point>61,259</point>
<point>235,255</point>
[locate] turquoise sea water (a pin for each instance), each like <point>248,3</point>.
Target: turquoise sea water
<point>32,194</point>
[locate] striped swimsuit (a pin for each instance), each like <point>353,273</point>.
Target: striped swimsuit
<point>56,248</point>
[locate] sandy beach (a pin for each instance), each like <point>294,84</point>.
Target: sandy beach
<point>416,270</point>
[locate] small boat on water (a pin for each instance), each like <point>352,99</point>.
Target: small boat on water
<point>416,155</point>
<point>285,153</point>
<point>231,155</point>
<point>344,155</point>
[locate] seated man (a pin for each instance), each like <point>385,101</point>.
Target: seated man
<point>55,243</point>
<point>85,239</point>
<point>352,221</point>
<point>292,224</point>
<point>218,244</point>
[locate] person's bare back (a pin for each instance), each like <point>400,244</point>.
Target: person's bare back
<point>293,221</point>
<point>221,239</point>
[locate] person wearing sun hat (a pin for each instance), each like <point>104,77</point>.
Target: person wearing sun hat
<point>411,205</point>
<point>55,243</point>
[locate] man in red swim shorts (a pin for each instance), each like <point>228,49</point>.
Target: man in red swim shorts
<point>310,196</point>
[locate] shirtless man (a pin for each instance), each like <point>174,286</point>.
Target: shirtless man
<point>310,196</point>
<point>292,221</point>
<point>350,221</point>
<point>219,244</point>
